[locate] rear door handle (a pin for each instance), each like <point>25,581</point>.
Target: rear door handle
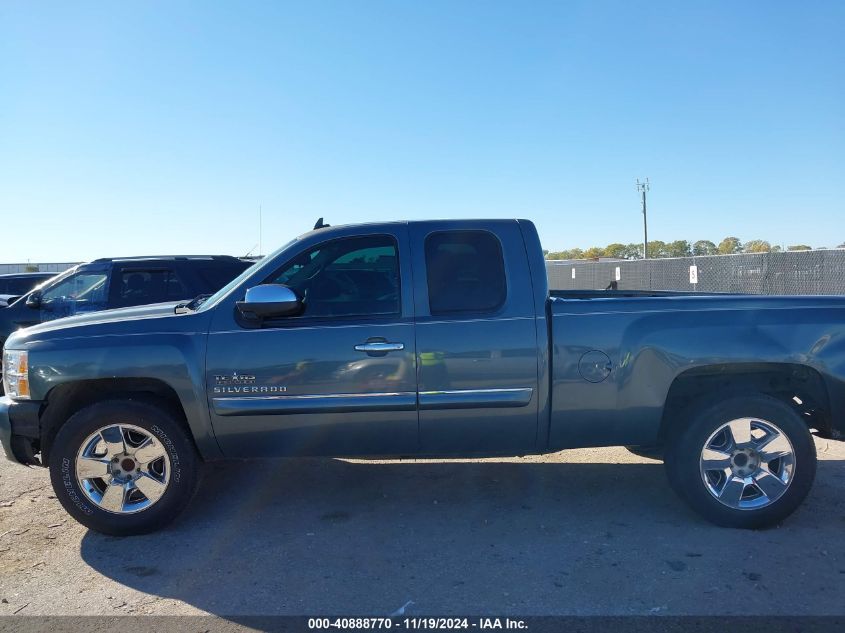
<point>379,347</point>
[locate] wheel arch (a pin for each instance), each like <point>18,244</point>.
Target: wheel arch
<point>800,386</point>
<point>64,400</point>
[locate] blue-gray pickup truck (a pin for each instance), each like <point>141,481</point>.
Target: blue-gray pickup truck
<point>425,339</point>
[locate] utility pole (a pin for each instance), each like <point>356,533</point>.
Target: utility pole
<point>643,187</point>
<point>260,251</point>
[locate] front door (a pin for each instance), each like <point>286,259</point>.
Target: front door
<point>476,339</point>
<point>339,379</point>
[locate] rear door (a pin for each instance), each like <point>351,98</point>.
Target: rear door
<point>476,338</point>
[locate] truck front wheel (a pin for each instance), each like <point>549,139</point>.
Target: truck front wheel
<point>123,467</point>
<point>746,462</point>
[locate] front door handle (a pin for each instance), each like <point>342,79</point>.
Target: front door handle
<point>379,347</point>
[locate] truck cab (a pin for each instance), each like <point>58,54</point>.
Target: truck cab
<point>404,339</point>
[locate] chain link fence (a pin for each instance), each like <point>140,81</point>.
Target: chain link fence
<point>819,272</point>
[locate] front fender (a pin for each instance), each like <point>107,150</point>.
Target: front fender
<point>176,359</point>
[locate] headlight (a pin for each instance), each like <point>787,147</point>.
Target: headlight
<point>16,373</point>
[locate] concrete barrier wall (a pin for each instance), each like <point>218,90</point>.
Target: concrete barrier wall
<point>6,269</point>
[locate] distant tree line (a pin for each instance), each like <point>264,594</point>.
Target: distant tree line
<point>678,248</point>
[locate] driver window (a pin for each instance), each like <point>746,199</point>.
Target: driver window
<point>357,276</point>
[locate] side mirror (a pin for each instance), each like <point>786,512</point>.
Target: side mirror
<point>268,301</point>
<point>34,300</point>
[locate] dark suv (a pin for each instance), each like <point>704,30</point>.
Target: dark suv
<point>15,285</point>
<point>120,283</point>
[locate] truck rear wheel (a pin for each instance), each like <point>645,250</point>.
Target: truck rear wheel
<point>746,462</point>
<point>123,467</point>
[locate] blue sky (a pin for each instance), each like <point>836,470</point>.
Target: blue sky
<point>159,127</point>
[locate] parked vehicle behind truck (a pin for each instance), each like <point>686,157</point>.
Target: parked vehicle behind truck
<point>116,283</point>
<point>15,285</point>
<point>425,339</point>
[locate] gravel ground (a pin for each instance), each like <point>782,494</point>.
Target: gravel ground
<point>581,532</point>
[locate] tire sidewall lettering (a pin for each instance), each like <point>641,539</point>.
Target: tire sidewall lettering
<point>176,468</point>
<point>71,487</point>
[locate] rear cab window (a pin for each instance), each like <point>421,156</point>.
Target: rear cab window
<point>465,271</point>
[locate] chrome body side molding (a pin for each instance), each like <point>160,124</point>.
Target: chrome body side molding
<point>476,398</point>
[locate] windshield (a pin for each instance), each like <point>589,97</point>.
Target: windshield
<point>218,296</point>
<point>76,287</point>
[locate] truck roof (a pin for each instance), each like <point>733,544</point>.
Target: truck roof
<point>462,223</point>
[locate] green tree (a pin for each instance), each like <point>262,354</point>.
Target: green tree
<point>758,246</point>
<point>657,249</point>
<point>704,247</point>
<point>633,251</point>
<point>615,250</point>
<point>730,245</point>
<point>678,248</point>
<point>575,253</point>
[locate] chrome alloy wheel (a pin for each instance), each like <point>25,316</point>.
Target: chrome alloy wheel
<point>747,463</point>
<point>122,468</point>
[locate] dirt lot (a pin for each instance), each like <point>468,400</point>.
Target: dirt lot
<point>577,532</point>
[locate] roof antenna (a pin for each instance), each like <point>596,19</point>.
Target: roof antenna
<point>320,224</point>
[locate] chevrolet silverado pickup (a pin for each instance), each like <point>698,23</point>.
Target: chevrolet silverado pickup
<point>425,339</point>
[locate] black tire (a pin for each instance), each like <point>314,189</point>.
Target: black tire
<point>651,452</point>
<point>683,466</point>
<point>158,422</point>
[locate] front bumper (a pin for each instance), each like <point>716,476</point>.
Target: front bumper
<point>6,428</point>
<point>19,426</point>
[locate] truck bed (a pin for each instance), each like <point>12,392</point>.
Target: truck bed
<point>616,354</point>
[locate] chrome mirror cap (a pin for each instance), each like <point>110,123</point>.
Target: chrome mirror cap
<point>270,293</point>
<point>270,300</point>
